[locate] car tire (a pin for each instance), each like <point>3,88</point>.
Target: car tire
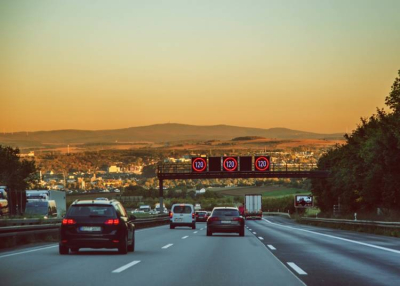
<point>131,248</point>
<point>123,246</point>
<point>194,226</point>
<point>171,226</point>
<point>63,250</point>
<point>74,249</point>
<point>209,233</point>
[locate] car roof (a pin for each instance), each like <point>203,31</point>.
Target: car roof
<point>225,208</point>
<point>182,205</point>
<point>97,202</point>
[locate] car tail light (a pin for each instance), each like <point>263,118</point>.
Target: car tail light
<point>112,222</point>
<point>238,219</point>
<point>115,241</point>
<point>192,215</point>
<point>66,221</point>
<point>171,214</point>
<point>214,218</point>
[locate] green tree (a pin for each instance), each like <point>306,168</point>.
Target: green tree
<point>17,175</point>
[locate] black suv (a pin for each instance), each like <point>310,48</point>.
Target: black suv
<point>97,224</point>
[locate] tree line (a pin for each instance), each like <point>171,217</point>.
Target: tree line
<point>17,175</point>
<point>365,171</point>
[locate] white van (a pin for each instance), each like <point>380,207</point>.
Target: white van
<point>182,215</point>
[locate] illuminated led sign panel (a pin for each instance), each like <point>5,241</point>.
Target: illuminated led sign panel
<point>261,163</point>
<point>199,164</point>
<point>230,164</point>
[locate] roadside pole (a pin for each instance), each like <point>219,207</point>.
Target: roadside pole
<point>161,195</point>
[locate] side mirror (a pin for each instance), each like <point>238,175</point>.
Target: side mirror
<point>132,217</point>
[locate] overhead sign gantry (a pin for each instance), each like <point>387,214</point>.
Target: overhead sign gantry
<point>228,167</point>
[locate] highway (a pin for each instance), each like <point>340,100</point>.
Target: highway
<point>275,251</point>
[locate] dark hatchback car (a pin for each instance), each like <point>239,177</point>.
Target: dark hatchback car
<point>225,219</point>
<point>97,224</point>
<point>201,216</point>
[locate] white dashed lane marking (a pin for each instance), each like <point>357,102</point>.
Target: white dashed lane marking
<point>118,270</point>
<point>297,268</point>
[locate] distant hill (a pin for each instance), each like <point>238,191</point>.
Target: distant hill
<point>246,138</point>
<point>154,133</point>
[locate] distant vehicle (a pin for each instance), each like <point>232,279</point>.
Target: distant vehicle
<point>57,196</point>
<point>225,220</point>
<point>182,215</point>
<point>157,208</point>
<point>4,209</point>
<point>46,209</point>
<point>252,206</point>
<point>197,207</point>
<point>97,224</point>
<point>145,208</point>
<point>137,211</point>
<point>201,216</point>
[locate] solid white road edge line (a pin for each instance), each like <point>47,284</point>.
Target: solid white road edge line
<point>339,238</point>
<point>185,237</point>
<point>166,246</point>
<point>27,251</point>
<point>271,247</point>
<point>297,268</point>
<point>118,270</point>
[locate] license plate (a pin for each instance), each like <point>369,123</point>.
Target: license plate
<point>178,219</point>
<point>90,228</point>
<point>226,221</point>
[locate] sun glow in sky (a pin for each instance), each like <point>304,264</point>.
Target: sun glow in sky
<point>96,64</point>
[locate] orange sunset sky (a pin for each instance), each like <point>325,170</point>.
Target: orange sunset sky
<point>308,65</point>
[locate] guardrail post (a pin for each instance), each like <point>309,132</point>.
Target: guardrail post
<point>161,196</point>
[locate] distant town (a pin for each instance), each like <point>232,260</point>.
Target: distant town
<point>100,172</point>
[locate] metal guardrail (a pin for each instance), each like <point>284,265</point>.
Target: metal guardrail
<point>54,226</point>
<point>384,224</point>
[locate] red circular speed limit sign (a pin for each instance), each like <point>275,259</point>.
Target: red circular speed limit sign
<point>199,164</point>
<point>262,163</point>
<point>230,164</point>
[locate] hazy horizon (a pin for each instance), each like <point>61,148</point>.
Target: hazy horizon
<point>165,123</point>
<point>315,66</point>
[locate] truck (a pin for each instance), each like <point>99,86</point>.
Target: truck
<point>252,206</point>
<point>45,195</point>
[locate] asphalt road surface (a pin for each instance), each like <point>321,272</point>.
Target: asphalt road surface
<point>326,256</point>
<point>162,257</point>
<point>275,251</point>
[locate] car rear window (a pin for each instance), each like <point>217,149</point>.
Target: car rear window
<point>182,210</point>
<point>225,213</point>
<point>201,213</point>
<point>92,211</point>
